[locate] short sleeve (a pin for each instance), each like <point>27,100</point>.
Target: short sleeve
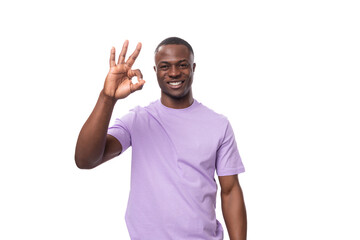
<point>121,130</point>
<point>228,160</point>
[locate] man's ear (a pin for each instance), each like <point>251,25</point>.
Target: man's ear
<point>194,65</point>
<point>154,68</point>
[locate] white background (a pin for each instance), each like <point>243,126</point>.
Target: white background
<point>285,73</point>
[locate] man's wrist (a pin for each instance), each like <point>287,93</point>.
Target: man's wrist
<point>107,99</point>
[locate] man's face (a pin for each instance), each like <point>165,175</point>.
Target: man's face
<point>174,66</point>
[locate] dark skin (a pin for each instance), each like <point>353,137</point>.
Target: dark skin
<point>175,63</point>
<point>174,67</point>
<point>94,145</point>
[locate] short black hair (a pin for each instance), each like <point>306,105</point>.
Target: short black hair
<point>174,40</point>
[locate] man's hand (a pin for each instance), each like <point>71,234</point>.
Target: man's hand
<point>94,146</point>
<point>118,82</point>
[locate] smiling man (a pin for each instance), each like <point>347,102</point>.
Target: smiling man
<point>174,69</point>
<point>177,145</point>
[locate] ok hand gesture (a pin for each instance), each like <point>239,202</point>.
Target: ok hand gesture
<point>118,82</point>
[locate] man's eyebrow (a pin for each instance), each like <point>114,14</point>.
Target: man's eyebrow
<point>166,62</point>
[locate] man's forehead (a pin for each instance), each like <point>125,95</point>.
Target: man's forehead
<point>173,52</point>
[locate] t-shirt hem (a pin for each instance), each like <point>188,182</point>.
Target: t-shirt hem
<point>120,139</point>
<point>231,172</point>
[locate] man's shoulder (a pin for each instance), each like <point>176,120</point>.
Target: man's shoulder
<point>140,108</point>
<point>212,114</point>
<point>141,111</point>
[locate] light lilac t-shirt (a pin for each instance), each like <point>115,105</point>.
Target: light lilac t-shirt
<point>175,153</point>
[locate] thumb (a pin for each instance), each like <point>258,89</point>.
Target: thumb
<point>137,86</point>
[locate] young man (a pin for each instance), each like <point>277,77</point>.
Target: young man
<point>177,144</point>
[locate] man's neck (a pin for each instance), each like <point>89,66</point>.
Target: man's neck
<point>177,103</point>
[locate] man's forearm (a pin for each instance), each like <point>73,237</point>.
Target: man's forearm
<point>92,138</point>
<point>234,212</point>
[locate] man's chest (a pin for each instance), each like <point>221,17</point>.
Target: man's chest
<point>195,142</point>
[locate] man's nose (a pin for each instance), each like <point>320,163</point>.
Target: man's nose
<point>174,72</point>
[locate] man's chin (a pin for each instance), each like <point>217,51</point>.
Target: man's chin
<point>176,96</point>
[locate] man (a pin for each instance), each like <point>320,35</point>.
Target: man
<point>177,144</point>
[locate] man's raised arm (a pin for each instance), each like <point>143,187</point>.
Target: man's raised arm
<point>94,146</point>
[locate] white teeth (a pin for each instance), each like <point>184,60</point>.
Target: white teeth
<point>174,83</point>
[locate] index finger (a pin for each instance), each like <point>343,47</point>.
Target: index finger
<point>133,56</point>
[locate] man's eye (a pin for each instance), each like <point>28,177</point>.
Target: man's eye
<point>164,67</point>
<point>184,65</point>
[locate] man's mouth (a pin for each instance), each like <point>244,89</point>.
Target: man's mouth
<point>175,84</point>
